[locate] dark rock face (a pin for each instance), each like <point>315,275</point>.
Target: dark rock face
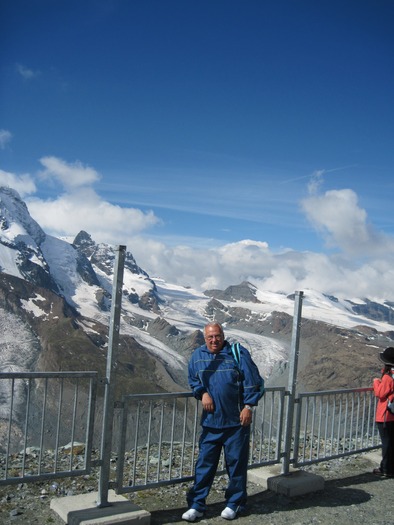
<point>84,243</point>
<point>376,311</point>
<point>159,327</point>
<point>34,273</point>
<point>25,243</point>
<point>245,292</point>
<point>85,270</point>
<point>102,257</point>
<point>149,301</point>
<point>32,264</point>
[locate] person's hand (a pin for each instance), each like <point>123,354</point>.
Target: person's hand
<point>207,402</point>
<point>245,417</point>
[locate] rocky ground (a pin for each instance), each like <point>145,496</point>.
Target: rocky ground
<point>351,495</point>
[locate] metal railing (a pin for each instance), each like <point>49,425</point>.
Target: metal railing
<point>334,424</point>
<point>158,437</point>
<point>47,430</point>
<point>158,433</point>
<point>46,425</point>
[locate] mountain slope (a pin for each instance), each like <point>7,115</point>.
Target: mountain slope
<point>62,293</point>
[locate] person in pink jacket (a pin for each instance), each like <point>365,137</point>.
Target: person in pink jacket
<point>384,389</point>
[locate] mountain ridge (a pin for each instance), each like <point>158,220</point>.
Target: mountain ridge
<point>58,287</point>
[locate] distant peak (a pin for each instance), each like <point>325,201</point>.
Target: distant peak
<point>83,239</point>
<point>13,211</point>
<point>6,190</point>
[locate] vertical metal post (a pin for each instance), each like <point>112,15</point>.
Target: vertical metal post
<point>113,342</point>
<point>292,381</point>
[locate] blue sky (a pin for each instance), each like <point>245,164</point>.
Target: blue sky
<point>183,128</point>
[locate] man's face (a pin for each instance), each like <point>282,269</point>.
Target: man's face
<point>214,339</point>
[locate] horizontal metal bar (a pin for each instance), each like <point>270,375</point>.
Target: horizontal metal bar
<point>36,375</point>
<point>47,475</point>
<point>334,392</point>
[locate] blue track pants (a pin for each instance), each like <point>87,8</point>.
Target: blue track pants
<point>235,443</point>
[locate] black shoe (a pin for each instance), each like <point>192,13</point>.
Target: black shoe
<point>379,472</point>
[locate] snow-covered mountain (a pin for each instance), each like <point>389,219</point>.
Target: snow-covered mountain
<point>56,295</point>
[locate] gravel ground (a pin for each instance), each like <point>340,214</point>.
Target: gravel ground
<point>351,495</point>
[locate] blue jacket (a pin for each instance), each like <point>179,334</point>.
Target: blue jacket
<point>230,386</point>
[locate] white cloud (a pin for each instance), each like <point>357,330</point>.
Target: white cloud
<point>71,176</point>
<point>337,215</point>
<point>203,268</point>
<point>362,265</point>
<point>79,207</point>
<point>23,184</point>
<point>315,182</point>
<point>25,72</point>
<point>5,138</point>
<point>85,210</point>
<point>277,272</point>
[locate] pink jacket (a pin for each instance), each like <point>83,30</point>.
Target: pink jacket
<point>383,388</point>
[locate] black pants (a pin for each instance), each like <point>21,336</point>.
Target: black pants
<point>386,431</point>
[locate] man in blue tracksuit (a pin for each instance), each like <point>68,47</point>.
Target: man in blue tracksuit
<point>229,390</point>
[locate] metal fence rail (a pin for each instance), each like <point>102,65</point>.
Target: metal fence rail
<point>334,424</point>
<point>158,441</point>
<point>46,425</point>
<point>47,430</point>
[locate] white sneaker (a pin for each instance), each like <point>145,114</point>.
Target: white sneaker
<point>228,514</point>
<point>192,515</point>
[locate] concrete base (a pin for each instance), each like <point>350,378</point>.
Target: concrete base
<point>83,510</point>
<point>296,483</point>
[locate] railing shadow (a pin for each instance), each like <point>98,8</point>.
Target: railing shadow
<point>339,493</point>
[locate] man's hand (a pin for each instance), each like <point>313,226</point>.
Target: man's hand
<point>207,402</point>
<point>246,417</point>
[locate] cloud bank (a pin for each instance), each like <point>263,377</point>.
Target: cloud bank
<point>79,207</point>
<point>358,261</point>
